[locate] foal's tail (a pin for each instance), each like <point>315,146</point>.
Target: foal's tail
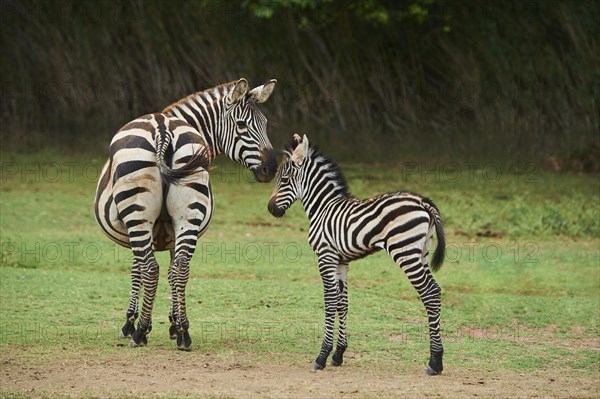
<point>440,251</point>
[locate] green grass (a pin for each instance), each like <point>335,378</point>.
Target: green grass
<point>525,298</point>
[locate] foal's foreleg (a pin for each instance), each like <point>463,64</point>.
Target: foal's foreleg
<point>342,310</point>
<point>328,263</point>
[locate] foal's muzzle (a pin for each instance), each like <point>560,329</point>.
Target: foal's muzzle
<point>274,209</point>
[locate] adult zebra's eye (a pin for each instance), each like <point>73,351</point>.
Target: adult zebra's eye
<point>241,125</point>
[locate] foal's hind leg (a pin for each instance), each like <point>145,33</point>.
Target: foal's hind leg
<point>437,351</point>
<point>409,257</point>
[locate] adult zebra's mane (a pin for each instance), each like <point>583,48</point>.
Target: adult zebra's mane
<point>211,95</point>
<point>334,172</point>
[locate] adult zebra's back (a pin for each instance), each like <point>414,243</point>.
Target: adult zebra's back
<point>154,192</point>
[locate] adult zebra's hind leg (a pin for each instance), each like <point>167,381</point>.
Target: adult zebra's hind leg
<point>409,257</point>
<point>138,212</point>
<point>190,206</point>
<point>132,311</point>
<point>150,272</point>
<point>180,277</point>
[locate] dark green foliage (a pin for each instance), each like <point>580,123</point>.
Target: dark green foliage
<point>507,80</point>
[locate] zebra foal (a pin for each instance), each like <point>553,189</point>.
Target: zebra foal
<point>344,228</point>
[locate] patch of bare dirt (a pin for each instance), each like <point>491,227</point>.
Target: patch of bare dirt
<point>150,373</point>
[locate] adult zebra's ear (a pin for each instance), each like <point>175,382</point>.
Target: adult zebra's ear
<point>262,93</point>
<point>239,91</point>
<point>301,151</point>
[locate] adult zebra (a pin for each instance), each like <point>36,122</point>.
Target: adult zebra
<point>154,191</point>
<point>344,228</point>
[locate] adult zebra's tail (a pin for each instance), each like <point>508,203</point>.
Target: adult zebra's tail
<point>164,155</point>
<point>440,251</point>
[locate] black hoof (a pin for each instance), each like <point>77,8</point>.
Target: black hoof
<point>139,337</point>
<point>317,367</point>
<point>184,341</point>
<point>141,341</point>
<point>321,361</point>
<point>436,364</point>
<point>127,330</point>
<point>338,356</point>
<point>173,332</point>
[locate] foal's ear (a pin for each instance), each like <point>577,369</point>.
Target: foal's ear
<point>301,151</point>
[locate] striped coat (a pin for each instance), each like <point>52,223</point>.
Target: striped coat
<point>154,191</point>
<point>344,228</point>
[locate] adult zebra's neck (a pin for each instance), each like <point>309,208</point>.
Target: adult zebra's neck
<point>322,184</point>
<point>204,110</point>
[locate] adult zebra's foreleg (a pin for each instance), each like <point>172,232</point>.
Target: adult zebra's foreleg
<point>328,263</point>
<point>342,310</point>
<point>173,308</point>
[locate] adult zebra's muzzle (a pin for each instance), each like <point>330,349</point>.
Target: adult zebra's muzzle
<point>265,171</point>
<point>274,209</point>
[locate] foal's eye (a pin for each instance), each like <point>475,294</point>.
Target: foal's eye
<point>285,173</point>
<point>241,125</point>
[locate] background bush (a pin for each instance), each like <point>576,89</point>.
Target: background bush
<point>372,79</point>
